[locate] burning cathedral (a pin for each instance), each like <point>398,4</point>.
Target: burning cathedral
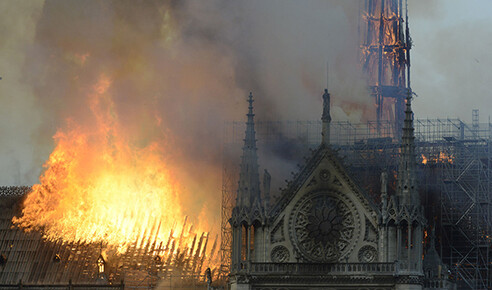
<point>324,231</point>
<point>393,204</point>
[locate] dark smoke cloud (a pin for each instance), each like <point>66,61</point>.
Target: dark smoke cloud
<point>186,65</point>
<point>190,65</point>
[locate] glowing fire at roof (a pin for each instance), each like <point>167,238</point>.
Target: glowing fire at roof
<point>100,188</point>
<point>441,157</point>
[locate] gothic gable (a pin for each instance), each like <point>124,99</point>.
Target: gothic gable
<point>313,176</point>
<point>324,215</point>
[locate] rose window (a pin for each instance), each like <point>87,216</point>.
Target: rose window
<point>324,224</point>
<point>323,227</point>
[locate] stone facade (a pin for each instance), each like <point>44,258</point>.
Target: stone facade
<point>324,232</point>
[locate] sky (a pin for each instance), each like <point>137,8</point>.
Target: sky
<point>451,58</point>
<point>179,69</point>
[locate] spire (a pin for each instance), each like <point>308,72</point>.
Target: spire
<point>326,119</point>
<point>249,180</point>
<point>407,189</point>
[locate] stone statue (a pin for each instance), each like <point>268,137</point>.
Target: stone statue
<point>326,107</point>
<point>384,182</point>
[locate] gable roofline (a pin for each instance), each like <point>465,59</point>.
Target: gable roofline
<point>301,178</point>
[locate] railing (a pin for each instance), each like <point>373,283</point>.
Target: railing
<point>434,284</point>
<point>314,268</point>
<point>403,267</point>
<point>439,284</point>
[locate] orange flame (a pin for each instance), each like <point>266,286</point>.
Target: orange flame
<point>99,188</point>
<point>442,157</point>
<point>424,159</point>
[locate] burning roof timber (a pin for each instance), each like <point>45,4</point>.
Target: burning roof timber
<point>32,259</point>
<point>105,209</point>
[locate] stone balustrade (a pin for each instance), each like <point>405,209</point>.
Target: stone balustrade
<point>319,269</point>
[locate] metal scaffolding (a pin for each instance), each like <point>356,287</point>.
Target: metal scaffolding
<point>230,173</point>
<point>385,57</point>
<point>455,162</point>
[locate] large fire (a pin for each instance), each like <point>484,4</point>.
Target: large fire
<point>99,187</point>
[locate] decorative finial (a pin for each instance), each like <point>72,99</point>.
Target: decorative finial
<point>250,101</point>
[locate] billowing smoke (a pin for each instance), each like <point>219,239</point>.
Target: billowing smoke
<point>178,70</point>
<point>20,116</point>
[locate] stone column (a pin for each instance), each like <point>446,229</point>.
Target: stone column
<point>392,244</point>
<point>409,247</point>
<point>419,248</point>
<point>383,244</point>
<point>398,242</point>
<point>248,244</point>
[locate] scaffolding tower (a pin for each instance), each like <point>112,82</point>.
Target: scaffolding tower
<point>455,170</point>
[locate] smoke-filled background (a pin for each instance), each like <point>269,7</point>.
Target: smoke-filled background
<point>179,69</point>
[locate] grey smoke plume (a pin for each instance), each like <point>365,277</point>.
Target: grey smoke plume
<point>191,64</point>
<point>451,59</point>
<point>20,117</point>
<point>186,65</point>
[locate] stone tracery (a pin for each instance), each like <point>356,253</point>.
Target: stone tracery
<point>324,228</point>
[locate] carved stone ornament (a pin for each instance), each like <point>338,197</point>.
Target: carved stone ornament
<point>324,175</point>
<point>277,234</point>
<point>367,254</point>
<point>337,182</point>
<point>324,226</point>
<point>280,254</point>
